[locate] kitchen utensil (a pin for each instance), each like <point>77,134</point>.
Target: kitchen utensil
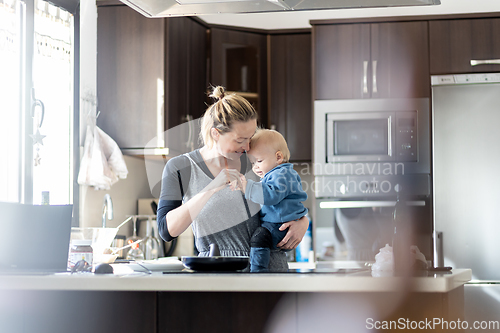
<point>121,224</point>
<point>116,250</point>
<point>215,263</point>
<point>151,246</point>
<point>135,253</point>
<point>214,250</point>
<point>119,242</point>
<point>107,258</point>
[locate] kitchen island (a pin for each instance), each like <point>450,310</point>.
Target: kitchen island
<point>225,302</point>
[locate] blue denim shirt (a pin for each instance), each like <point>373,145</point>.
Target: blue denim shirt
<point>279,193</point>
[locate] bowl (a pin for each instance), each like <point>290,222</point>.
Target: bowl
<point>101,240</point>
<point>105,258</point>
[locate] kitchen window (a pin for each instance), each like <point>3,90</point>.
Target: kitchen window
<point>37,102</point>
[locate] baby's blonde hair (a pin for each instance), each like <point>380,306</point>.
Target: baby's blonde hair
<point>226,110</point>
<point>272,138</point>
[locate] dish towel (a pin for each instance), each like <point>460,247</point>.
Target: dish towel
<point>102,163</point>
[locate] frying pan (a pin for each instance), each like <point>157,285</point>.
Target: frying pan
<point>215,263</point>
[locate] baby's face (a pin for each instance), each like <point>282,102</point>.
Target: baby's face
<point>263,159</point>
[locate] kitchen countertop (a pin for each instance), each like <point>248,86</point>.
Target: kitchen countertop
<point>340,281</point>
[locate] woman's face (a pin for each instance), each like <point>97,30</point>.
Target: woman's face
<point>234,143</point>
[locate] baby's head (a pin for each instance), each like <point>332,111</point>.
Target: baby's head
<point>268,149</point>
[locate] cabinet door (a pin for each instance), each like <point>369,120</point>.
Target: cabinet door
<point>78,311</point>
<point>130,75</point>
<point>290,91</point>
<point>239,63</point>
<point>399,60</point>
<point>454,43</point>
<point>224,312</point>
<point>186,68</point>
<point>382,60</point>
<point>341,59</point>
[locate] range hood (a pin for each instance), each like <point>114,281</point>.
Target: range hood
<point>167,8</point>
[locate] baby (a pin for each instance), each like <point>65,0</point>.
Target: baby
<point>279,193</point>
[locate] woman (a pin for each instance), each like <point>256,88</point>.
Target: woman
<point>195,189</point>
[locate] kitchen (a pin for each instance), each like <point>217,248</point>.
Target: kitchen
<point>137,185</point>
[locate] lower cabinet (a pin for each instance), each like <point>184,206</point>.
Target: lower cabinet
<point>228,312</point>
<point>220,312</point>
<point>77,312</point>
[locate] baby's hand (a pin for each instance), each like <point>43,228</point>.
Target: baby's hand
<point>240,184</point>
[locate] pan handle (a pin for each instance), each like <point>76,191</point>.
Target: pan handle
<point>214,250</point>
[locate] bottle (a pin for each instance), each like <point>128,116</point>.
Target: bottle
<point>304,250</point>
<point>81,249</point>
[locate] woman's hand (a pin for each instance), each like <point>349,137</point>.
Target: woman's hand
<point>225,177</point>
<point>297,230</point>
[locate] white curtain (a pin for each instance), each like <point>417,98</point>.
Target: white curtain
<point>10,114</point>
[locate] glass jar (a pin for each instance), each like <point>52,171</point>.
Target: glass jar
<point>81,249</point>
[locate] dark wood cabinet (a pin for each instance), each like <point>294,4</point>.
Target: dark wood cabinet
<point>376,60</point>
<point>239,63</point>
<point>290,101</point>
<point>229,312</point>
<point>151,74</point>
<point>455,43</point>
<point>130,75</point>
<point>78,311</point>
<point>186,69</point>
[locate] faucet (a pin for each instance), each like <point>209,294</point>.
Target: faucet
<point>107,207</point>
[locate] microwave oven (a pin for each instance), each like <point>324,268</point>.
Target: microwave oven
<point>384,136</point>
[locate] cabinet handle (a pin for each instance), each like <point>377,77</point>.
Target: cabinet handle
<point>389,135</point>
<point>365,77</point>
<point>485,62</point>
<point>374,77</point>
<point>366,204</point>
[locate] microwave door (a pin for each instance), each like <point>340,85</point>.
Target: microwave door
<point>360,137</point>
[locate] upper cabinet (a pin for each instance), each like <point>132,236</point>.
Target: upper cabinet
<point>239,62</point>
<point>377,60</point>
<point>186,69</point>
<point>290,100</point>
<point>151,75</point>
<point>130,75</point>
<point>464,45</point>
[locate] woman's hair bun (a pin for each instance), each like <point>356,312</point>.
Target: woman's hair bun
<point>218,93</point>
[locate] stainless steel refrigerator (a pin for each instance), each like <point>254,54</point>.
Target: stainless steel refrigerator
<point>466,171</point>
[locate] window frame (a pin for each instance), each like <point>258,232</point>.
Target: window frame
<point>26,86</point>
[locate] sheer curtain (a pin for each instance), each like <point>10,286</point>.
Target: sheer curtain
<point>10,99</point>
